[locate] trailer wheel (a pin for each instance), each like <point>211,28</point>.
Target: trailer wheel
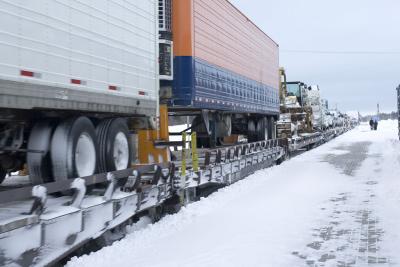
<point>39,161</point>
<point>262,133</point>
<point>74,149</point>
<point>115,151</point>
<point>251,131</point>
<point>271,130</point>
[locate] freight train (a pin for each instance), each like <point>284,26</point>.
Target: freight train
<point>86,93</point>
<point>305,118</point>
<point>78,82</point>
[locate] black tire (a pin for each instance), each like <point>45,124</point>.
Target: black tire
<point>251,131</point>
<point>271,131</point>
<point>261,129</point>
<point>64,149</point>
<point>3,175</point>
<point>39,164</point>
<point>107,132</point>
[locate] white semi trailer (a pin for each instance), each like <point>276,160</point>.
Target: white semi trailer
<point>73,76</point>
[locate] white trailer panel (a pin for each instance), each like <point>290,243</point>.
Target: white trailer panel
<point>92,55</point>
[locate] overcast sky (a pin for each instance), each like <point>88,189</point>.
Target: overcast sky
<point>350,81</point>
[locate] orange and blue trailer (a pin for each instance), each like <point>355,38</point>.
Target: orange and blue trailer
<point>222,59</point>
<point>224,63</point>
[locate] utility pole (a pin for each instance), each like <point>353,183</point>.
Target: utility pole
<point>378,111</point>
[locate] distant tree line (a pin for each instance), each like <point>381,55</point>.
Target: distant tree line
<point>382,116</point>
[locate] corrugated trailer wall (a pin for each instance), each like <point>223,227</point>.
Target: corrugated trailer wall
<point>222,60</point>
<point>82,55</point>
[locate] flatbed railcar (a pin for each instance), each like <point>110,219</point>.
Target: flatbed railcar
<point>38,228</point>
<point>46,229</point>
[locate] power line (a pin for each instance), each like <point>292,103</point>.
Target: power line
<point>337,52</point>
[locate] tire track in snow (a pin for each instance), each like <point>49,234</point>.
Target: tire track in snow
<point>350,233</point>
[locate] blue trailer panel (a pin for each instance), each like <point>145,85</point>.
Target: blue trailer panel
<point>199,84</point>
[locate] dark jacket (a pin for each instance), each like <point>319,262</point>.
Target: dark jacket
<point>371,122</point>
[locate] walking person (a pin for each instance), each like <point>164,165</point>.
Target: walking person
<point>376,124</point>
<point>371,124</point>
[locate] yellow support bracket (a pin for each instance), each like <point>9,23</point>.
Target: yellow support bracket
<point>195,156</point>
<point>183,154</point>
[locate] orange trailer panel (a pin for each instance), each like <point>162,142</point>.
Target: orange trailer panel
<point>217,32</point>
<point>182,27</point>
<point>228,39</point>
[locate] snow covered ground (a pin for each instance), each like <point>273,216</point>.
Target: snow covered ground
<point>337,205</point>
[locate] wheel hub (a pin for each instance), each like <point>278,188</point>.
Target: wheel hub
<point>121,151</point>
<point>85,156</point>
